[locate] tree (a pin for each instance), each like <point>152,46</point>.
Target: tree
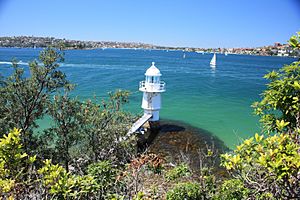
<point>105,129</point>
<point>24,99</point>
<point>65,132</point>
<point>85,132</point>
<point>279,108</point>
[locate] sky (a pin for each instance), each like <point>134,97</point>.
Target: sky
<point>183,23</point>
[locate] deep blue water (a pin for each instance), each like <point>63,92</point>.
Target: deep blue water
<point>215,100</point>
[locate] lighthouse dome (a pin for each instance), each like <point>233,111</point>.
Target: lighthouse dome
<point>153,71</point>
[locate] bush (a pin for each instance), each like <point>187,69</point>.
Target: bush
<point>267,165</point>
<point>186,191</point>
<point>179,171</point>
<point>60,184</point>
<point>104,174</point>
<point>232,189</point>
<point>21,180</point>
<point>279,108</point>
<point>15,165</point>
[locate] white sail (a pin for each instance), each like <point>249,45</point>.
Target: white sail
<point>213,61</point>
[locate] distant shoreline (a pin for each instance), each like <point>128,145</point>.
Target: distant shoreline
<point>148,49</point>
<point>278,49</point>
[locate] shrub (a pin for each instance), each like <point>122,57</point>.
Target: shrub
<point>179,171</point>
<point>232,189</point>
<point>267,165</point>
<point>187,191</point>
<point>279,108</point>
<point>104,174</point>
<point>15,165</point>
<point>20,180</point>
<point>61,184</point>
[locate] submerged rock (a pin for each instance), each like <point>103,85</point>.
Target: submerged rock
<point>178,142</point>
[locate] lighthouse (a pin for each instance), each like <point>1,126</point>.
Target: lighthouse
<point>152,88</point>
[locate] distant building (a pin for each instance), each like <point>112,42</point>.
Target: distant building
<point>277,44</point>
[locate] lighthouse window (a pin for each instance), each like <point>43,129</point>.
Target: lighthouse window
<point>148,79</point>
<point>152,79</point>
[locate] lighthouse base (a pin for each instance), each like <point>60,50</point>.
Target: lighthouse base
<point>154,113</point>
<point>151,131</point>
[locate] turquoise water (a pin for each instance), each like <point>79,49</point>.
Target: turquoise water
<point>215,100</point>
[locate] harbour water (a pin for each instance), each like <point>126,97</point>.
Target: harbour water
<point>216,100</point>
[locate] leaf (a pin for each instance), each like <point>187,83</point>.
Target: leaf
<point>296,85</point>
<point>248,142</point>
<point>281,124</point>
<point>258,138</point>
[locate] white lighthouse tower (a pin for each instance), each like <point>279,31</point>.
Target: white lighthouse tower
<point>151,88</point>
<point>151,102</point>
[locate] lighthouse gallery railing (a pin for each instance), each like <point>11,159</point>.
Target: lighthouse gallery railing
<point>152,87</point>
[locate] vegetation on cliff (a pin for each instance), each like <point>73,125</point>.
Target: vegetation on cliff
<point>85,154</point>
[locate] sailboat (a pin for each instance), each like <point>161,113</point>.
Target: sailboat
<point>213,61</point>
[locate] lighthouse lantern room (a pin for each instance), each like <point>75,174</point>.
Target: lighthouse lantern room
<point>151,88</point>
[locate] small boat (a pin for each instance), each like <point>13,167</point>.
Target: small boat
<point>183,55</point>
<point>213,61</point>
<point>226,53</point>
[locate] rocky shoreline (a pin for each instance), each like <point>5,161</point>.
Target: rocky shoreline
<point>178,142</point>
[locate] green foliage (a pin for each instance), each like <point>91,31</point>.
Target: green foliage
<point>14,163</point>
<point>187,191</point>
<point>295,41</point>
<point>20,180</point>
<point>65,132</point>
<point>179,171</point>
<point>116,197</point>
<point>105,127</point>
<point>208,183</point>
<point>62,184</point>
<point>280,104</point>
<point>232,189</point>
<point>2,82</point>
<point>54,177</point>
<point>104,174</point>
<point>269,164</point>
<point>279,108</point>
<point>81,132</point>
<point>23,98</point>
<point>139,196</point>
<point>88,130</point>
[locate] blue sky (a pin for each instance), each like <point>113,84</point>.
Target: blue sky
<point>194,23</point>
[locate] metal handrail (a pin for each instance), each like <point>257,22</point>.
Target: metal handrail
<point>152,87</point>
